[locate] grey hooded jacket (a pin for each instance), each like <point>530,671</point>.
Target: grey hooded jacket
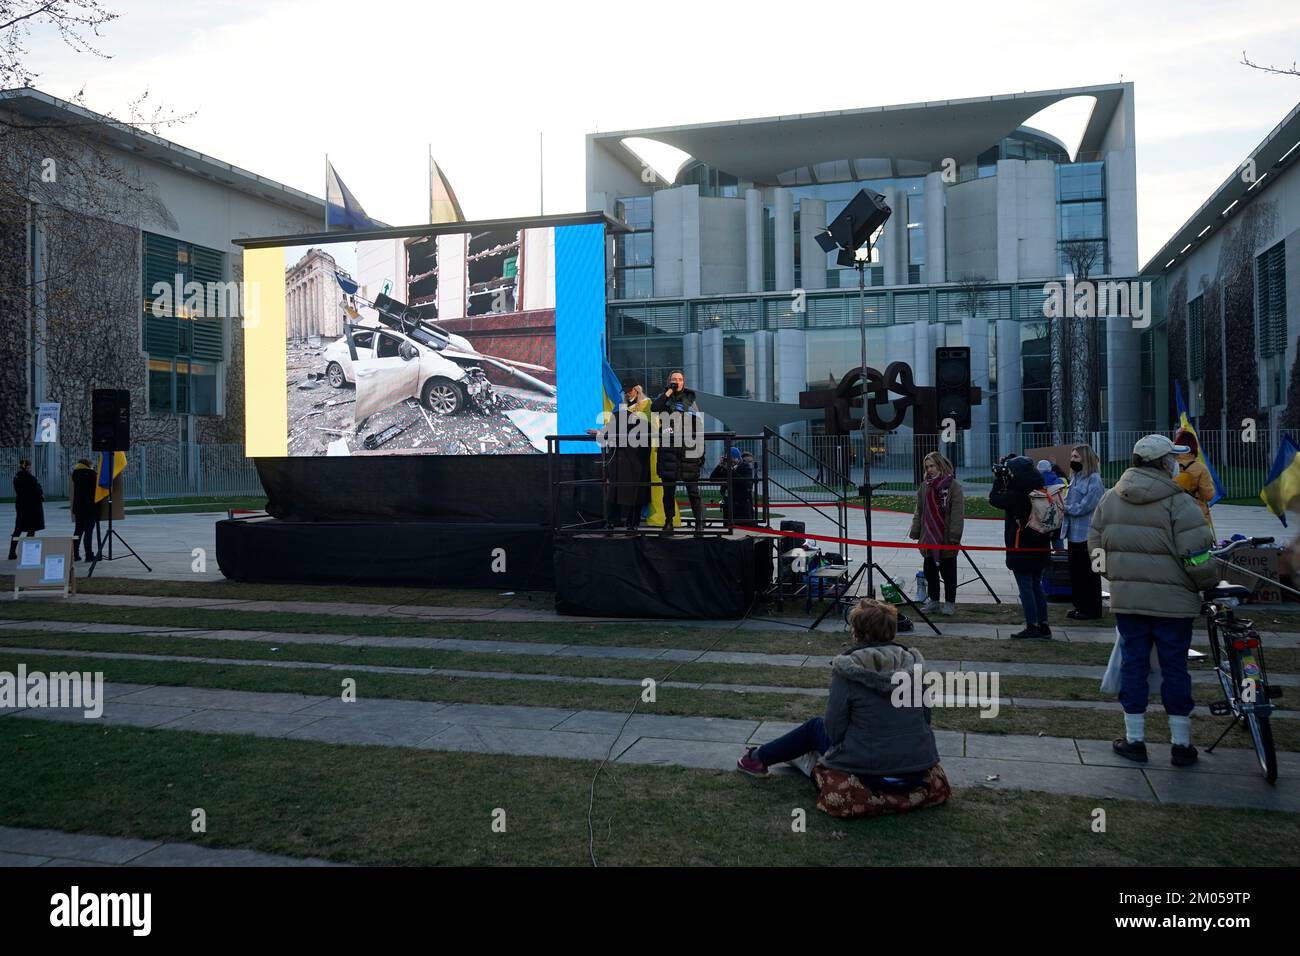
<point>869,735</point>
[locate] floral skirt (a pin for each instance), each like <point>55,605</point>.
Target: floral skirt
<point>844,795</point>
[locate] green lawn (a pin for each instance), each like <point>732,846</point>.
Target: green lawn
<point>405,806</point>
<point>1054,688</point>
<point>1053,722</point>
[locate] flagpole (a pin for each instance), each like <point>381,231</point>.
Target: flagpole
<point>429,150</point>
<point>541,177</point>
<point>327,192</point>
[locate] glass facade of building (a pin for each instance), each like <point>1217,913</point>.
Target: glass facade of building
<point>1081,215</point>
<point>648,339</point>
<point>634,262</point>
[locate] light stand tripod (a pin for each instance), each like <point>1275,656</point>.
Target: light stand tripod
<point>101,540</point>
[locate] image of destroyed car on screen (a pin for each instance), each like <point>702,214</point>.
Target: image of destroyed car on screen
<point>439,345</point>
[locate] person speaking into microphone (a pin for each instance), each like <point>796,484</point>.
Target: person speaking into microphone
<point>681,448</point>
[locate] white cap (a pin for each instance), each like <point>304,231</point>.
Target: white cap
<point>1155,447</point>
<point>1044,465</point>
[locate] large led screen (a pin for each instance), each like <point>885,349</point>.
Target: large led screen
<point>468,343</point>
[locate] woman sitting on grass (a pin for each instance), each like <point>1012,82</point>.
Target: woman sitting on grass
<point>868,755</point>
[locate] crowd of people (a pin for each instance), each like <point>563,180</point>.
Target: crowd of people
<point>868,755</point>
<point>677,457</point>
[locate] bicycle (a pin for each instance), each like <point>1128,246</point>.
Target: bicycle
<point>1238,655</point>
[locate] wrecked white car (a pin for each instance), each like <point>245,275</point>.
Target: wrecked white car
<point>388,367</point>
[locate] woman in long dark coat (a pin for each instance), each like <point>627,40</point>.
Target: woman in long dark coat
<point>630,464</point>
<point>29,508</point>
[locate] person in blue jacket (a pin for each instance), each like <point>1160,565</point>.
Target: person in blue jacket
<point>1081,501</point>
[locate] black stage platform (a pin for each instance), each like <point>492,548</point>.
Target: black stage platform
<point>716,576</point>
<point>409,552</point>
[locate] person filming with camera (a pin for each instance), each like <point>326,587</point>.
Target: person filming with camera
<point>1016,482</point>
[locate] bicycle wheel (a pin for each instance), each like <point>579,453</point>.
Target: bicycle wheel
<point>1262,733</point>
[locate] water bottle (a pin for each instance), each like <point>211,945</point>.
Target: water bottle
<point>920,586</point>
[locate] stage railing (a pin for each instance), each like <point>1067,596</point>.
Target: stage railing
<point>609,521</point>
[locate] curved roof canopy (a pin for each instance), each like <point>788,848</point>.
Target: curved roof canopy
<point>760,150</point>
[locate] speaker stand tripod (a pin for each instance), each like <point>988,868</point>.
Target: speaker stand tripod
<point>107,538</point>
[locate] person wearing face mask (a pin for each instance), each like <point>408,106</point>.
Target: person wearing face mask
<point>1156,548</point>
<point>1081,500</point>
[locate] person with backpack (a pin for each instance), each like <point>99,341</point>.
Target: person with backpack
<point>1080,502</point>
<point>1027,528</point>
<point>1156,546</point>
<point>1051,480</point>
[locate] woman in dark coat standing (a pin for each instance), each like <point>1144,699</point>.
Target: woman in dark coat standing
<point>1011,493</point>
<point>630,464</point>
<point>29,508</point>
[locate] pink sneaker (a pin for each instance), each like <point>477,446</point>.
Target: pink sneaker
<point>751,765</point>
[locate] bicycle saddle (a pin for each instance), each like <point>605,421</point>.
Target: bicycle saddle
<point>1224,590</point>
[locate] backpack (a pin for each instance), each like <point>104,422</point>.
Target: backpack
<point>1047,510</point>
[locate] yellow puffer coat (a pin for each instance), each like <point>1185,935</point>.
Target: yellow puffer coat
<point>1194,478</point>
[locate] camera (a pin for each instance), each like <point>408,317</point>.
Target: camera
<point>1000,467</point>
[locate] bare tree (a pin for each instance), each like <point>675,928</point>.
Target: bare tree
<point>62,184</point>
<point>1280,71</point>
<point>972,292</point>
<point>1074,353</point>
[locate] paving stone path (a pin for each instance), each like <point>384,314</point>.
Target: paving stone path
<point>1059,765</point>
<point>1045,670</point>
<point>20,846</point>
<point>539,616</point>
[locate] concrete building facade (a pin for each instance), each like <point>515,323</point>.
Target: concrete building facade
<point>1229,284</point>
<point>721,272</point>
<point>123,221</point>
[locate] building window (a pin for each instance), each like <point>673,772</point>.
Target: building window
<point>185,344</point>
<point>634,276</point>
<point>1081,211</point>
<point>1196,338</point>
<point>1270,285</point>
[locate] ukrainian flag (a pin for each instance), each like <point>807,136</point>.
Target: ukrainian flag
<point>610,386</point>
<point>1186,423</point>
<point>612,389</point>
<point>111,464</point>
<point>1283,484</point>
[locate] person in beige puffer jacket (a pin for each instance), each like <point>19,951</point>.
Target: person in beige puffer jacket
<point>1156,548</point>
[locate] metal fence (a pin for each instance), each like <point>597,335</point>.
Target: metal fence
<point>152,471</point>
<point>1241,460</point>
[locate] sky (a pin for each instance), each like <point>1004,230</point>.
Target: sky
<point>275,85</point>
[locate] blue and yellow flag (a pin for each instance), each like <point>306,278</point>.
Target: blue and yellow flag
<point>111,464</point>
<point>1282,486</point>
<point>1185,424</point>
<point>610,386</point>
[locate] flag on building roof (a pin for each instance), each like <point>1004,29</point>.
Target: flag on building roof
<point>443,205</point>
<point>1282,487</point>
<point>342,211</point>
